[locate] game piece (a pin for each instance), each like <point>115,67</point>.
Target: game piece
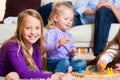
<point>103,66</point>
<point>79,70</point>
<point>110,71</point>
<point>92,72</point>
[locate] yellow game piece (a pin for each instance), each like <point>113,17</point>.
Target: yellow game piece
<point>109,71</point>
<point>103,66</point>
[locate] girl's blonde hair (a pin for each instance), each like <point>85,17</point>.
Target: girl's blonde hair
<point>19,40</point>
<point>57,8</point>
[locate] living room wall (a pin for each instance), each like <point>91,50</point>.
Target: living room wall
<point>2,9</point>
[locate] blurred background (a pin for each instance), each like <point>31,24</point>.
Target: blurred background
<point>2,9</point>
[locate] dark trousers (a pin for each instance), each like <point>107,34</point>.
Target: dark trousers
<point>103,19</point>
<point>46,9</point>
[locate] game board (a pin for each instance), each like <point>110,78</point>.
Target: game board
<point>93,73</point>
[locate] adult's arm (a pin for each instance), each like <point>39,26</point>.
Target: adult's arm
<point>115,10</point>
<point>80,6</point>
<point>115,7</point>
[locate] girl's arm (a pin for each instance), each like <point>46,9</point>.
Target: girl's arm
<point>108,56</point>
<point>50,41</point>
<point>56,76</point>
<point>89,12</point>
<point>18,62</point>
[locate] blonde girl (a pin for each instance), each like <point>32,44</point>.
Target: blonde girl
<point>60,44</point>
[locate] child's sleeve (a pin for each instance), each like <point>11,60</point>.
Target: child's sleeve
<point>18,62</point>
<point>51,40</point>
<point>109,55</point>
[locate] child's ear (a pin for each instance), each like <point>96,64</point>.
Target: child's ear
<point>55,17</point>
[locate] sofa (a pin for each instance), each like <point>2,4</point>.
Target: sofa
<point>83,34</point>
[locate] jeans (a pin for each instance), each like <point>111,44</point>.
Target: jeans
<point>61,65</point>
<point>103,19</point>
<point>45,11</point>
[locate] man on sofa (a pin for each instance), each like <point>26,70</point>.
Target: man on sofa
<point>102,13</point>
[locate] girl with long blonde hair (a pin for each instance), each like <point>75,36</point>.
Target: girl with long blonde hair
<point>24,52</point>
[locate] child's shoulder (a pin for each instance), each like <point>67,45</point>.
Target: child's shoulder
<point>9,44</point>
<point>52,30</point>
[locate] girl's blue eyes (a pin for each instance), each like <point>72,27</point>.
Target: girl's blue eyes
<point>31,28</point>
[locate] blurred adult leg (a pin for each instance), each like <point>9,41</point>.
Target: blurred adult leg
<point>103,20</point>
<point>45,11</point>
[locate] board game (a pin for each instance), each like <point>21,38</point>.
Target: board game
<point>94,73</point>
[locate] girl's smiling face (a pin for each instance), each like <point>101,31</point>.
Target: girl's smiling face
<point>31,30</point>
<point>64,19</point>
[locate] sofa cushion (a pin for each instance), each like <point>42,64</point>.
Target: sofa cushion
<point>83,35</point>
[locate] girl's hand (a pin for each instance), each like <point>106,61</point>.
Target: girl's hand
<point>67,76</point>
<point>12,76</point>
<point>62,41</point>
<point>101,64</point>
<point>73,52</point>
<point>117,67</point>
<point>63,76</point>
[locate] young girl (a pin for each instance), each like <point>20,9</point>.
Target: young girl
<point>59,43</point>
<point>23,53</point>
<point>111,54</point>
